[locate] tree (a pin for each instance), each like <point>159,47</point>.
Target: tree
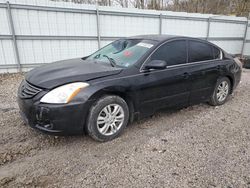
<point>226,7</point>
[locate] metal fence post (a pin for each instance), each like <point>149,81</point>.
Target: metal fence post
<point>160,24</point>
<point>13,36</point>
<point>244,39</point>
<point>208,28</point>
<point>98,27</point>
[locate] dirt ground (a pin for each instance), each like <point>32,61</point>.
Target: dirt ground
<point>200,146</point>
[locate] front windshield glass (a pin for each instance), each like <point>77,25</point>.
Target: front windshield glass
<point>123,52</point>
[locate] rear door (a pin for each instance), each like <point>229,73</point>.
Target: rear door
<point>203,60</point>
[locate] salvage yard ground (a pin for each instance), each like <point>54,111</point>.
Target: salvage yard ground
<point>199,146</point>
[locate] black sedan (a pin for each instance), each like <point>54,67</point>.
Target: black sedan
<point>128,79</point>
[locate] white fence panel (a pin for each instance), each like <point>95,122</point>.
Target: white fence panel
<point>7,56</point>
<point>247,49</point>
<point>47,31</point>
<point>124,26</point>
<point>4,26</point>
<point>44,51</point>
<point>105,42</point>
<point>189,28</point>
<point>219,29</point>
<point>33,22</point>
<point>232,47</point>
<point>248,32</point>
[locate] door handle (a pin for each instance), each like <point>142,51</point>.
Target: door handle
<point>186,75</point>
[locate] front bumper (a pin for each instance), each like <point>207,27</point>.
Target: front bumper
<point>56,119</point>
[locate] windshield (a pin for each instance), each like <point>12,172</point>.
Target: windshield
<point>124,52</point>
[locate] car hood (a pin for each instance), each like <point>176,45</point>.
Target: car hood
<point>73,70</point>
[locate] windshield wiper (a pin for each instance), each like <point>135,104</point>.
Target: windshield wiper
<point>111,60</point>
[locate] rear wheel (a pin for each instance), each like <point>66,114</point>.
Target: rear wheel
<point>107,118</point>
<point>221,92</point>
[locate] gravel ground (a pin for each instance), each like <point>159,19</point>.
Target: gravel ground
<point>199,146</point>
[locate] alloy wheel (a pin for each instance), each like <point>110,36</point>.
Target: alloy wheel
<point>222,91</point>
<point>110,119</point>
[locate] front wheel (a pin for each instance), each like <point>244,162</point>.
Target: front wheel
<point>221,92</point>
<point>107,118</point>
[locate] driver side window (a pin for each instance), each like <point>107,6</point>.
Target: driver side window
<point>174,53</point>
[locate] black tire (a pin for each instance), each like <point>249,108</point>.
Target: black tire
<point>214,100</point>
<point>95,110</point>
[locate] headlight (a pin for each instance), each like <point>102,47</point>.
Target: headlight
<point>63,94</point>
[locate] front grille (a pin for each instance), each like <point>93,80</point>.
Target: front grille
<point>28,91</point>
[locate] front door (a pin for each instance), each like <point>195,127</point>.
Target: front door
<point>170,86</point>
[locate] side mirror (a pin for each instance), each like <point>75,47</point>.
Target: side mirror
<point>156,64</point>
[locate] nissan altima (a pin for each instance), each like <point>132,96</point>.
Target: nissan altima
<point>128,79</point>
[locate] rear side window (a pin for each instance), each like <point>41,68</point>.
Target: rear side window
<point>174,53</point>
<point>199,51</point>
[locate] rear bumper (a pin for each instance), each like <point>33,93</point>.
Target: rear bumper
<point>56,119</point>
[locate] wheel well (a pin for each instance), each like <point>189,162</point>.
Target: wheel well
<point>127,99</point>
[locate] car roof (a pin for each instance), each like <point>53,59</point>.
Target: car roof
<point>162,38</point>
<point>155,37</point>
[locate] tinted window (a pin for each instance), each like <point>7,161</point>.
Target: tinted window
<point>216,53</point>
<point>173,53</point>
<point>198,51</point>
